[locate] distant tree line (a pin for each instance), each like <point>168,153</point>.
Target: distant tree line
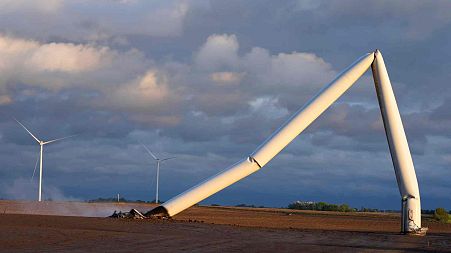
<point>439,214</point>
<point>242,205</point>
<point>252,206</point>
<point>432,211</point>
<point>322,206</point>
<point>122,199</point>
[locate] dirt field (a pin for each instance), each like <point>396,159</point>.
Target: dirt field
<point>206,229</point>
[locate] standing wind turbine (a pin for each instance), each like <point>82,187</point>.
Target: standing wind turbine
<point>158,160</point>
<point>41,143</point>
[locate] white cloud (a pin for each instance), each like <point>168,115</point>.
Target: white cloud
<point>268,107</point>
<point>300,67</point>
<point>126,81</point>
<point>258,60</point>
<point>14,52</point>
<point>44,6</point>
<point>220,52</point>
<point>21,56</point>
<point>288,69</point>
<point>294,76</point>
<point>54,66</point>
<point>226,77</point>
<point>93,20</point>
<point>68,57</point>
<point>146,91</point>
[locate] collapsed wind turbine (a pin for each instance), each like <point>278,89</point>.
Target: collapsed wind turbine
<point>158,160</point>
<point>41,143</point>
<point>394,130</point>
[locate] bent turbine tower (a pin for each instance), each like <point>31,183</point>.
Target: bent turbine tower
<point>397,141</point>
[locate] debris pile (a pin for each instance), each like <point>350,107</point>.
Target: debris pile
<point>133,214</point>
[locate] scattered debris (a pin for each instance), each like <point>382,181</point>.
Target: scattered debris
<point>133,214</point>
<point>419,232</point>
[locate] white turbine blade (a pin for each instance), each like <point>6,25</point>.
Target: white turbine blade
<point>35,166</point>
<point>47,142</point>
<point>27,130</point>
<point>168,159</point>
<point>150,152</point>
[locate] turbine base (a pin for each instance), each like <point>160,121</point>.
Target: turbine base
<point>418,232</point>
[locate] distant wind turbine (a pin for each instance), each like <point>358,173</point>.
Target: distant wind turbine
<point>158,160</point>
<point>41,143</point>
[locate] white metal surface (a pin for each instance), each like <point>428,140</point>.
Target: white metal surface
<point>158,179</point>
<point>211,186</point>
<point>310,111</point>
<point>40,173</point>
<point>399,148</point>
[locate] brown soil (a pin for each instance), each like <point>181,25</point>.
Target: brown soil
<point>206,229</point>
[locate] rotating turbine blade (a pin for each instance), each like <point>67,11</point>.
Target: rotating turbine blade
<point>150,152</point>
<point>27,130</point>
<point>70,136</point>
<point>35,166</point>
<point>168,158</point>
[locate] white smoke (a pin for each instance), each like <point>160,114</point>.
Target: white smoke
<point>25,189</point>
<point>22,190</point>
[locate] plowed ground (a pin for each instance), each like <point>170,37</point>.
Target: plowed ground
<point>58,227</point>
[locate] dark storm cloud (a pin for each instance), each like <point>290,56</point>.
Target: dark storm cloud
<point>208,81</point>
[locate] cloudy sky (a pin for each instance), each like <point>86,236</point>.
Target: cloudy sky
<point>207,82</point>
